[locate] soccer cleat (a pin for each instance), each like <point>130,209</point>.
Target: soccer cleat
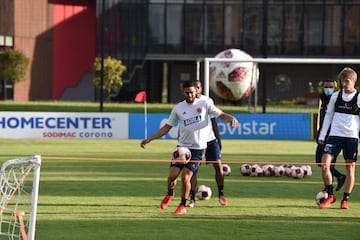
<point>341,181</point>
<point>191,203</point>
<point>165,202</point>
<point>344,204</point>
<point>327,202</point>
<point>180,210</point>
<point>222,200</point>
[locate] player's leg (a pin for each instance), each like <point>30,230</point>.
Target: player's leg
<point>331,151</point>
<point>350,173</point>
<point>318,153</point>
<point>187,173</point>
<point>213,156</point>
<point>334,172</point>
<point>193,182</point>
<point>186,184</point>
<point>219,177</point>
<point>349,183</point>
<point>341,178</point>
<point>327,179</point>
<point>350,152</point>
<point>174,172</point>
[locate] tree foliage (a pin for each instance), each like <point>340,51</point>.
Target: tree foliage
<point>14,65</point>
<point>113,71</point>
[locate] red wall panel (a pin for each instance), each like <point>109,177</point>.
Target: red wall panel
<point>74,43</point>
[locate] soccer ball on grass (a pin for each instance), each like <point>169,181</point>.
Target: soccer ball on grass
<point>320,197</point>
<point>279,171</point>
<point>297,172</point>
<point>203,192</point>
<point>245,169</point>
<point>226,169</point>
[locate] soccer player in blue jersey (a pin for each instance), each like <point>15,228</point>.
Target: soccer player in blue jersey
<point>193,116</point>
<point>342,115</point>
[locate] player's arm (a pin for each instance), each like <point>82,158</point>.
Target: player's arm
<point>216,131</point>
<point>228,118</point>
<point>318,116</point>
<point>328,118</point>
<point>161,132</point>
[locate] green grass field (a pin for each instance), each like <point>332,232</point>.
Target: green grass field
<point>111,189</point>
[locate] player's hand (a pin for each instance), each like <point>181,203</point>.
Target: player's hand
<point>321,142</point>
<point>144,142</point>
<point>234,123</point>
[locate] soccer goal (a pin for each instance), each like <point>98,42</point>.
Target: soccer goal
<point>19,196</point>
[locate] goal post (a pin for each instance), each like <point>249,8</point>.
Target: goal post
<point>207,61</point>
<point>19,179</point>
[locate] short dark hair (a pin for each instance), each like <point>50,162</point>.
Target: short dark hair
<point>190,83</point>
<point>329,80</point>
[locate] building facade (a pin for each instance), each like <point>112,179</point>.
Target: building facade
<point>160,41</point>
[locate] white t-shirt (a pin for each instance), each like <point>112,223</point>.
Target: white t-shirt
<point>194,127</point>
<point>212,134</point>
<point>342,124</point>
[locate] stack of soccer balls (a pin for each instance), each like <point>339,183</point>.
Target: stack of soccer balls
<point>277,171</point>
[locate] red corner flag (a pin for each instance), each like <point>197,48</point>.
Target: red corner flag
<point>140,97</point>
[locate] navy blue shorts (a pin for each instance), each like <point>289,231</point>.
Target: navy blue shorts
<point>349,146</point>
<point>193,165</point>
<point>319,153</point>
<point>213,152</point>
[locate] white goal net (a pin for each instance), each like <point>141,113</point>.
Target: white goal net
<point>19,180</point>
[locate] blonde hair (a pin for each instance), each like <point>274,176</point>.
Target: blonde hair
<point>347,72</point>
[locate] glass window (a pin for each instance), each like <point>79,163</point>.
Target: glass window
<point>214,28</point>
<point>233,26</point>
<point>333,30</point>
<point>313,29</point>
<point>352,30</point>
<point>275,31</point>
<point>174,27</point>
<point>194,28</point>
<point>253,29</point>
<point>156,28</point>
<point>293,32</point>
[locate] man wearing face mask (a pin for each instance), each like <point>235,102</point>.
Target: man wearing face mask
<point>329,86</point>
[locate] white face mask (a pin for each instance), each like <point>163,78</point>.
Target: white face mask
<point>328,91</point>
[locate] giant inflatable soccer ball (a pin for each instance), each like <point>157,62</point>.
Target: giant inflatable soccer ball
<point>233,80</point>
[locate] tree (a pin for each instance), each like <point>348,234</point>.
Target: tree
<point>14,66</point>
<point>113,71</point>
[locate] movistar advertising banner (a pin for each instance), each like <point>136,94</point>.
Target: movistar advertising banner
<point>251,126</point>
<point>48,125</point>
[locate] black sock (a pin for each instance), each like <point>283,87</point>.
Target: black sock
<point>170,191</point>
<point>183,201</point>
<point>346,196</point>
<point>329,189</point>
<point>192,194</point>
<point>221,190</point>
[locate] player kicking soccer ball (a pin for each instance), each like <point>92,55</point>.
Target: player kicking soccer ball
<point>192,114</point>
